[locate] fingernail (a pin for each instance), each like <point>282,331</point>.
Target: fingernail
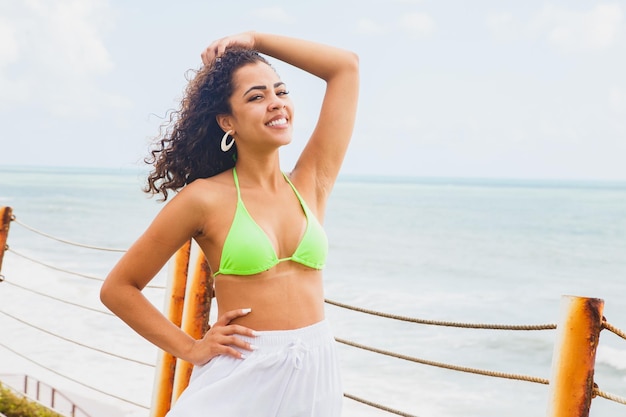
<point>255,333</point>
<point>253,347</point>
<point>242,356</point>
<point>246,310</point>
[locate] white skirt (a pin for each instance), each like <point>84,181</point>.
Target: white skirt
<point>293,373</point>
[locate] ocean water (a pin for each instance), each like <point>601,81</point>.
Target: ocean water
<point>465,250</point>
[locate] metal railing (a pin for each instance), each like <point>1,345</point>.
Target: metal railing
<point>44,394</point>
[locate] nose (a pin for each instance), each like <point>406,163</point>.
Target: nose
<point>277,103</point>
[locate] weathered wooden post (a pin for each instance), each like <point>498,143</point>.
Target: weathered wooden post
<point>195,317</point>
<point>188,304</point>
<point>573,360</point>
<point>6,216</point>
<point>166,363</point>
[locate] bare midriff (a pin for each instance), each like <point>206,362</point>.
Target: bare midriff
<point>287,297</point>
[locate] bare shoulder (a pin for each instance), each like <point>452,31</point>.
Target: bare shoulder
<point>208,192</point>
<point>205,201</point>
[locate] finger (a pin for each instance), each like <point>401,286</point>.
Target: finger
<point>208,55</point>
<point>216,51</point>
<point>221,48</point>
<point>236,341</point>
<point>233,329</point>
<point>233,352</point>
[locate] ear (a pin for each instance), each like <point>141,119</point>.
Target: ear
<point>225,122</point>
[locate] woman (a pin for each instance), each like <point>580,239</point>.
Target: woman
<point>270,352</point>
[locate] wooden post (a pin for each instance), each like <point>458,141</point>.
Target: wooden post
<point>6,215</point>
<point>573,361</point>
<point>188,304</point>
<point>195,317</point>
<point>166,363</point>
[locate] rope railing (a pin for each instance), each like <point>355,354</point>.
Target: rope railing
<point>443,323</point>
<point>488,326</point>
<point>608,326</point>
<point>57,299</point>
<point>445,365</point>
<point>596,391</point>
<point>60,300</point>
<point>68,242</point>
<point>95,349</point>
<point>74,380</point>
<point>378,406</point>
<point>612,397</point>
<point>67,271</point>
<point>56,268</point>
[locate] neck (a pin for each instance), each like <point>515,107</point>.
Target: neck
<point>260,172</point>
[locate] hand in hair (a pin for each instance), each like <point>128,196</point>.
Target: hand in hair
<point>216,48</point>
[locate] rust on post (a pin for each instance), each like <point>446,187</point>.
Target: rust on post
<point>195,317</point>
<point>6,216</point>
<point>573,362</point>
<point>177,285</point>
<point>174,301</point>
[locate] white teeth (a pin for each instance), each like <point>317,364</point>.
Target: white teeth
<point>277,122</point>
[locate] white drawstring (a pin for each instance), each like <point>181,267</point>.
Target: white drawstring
<point>297,350</point>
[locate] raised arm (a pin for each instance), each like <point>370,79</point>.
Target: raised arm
<point>319,163</point>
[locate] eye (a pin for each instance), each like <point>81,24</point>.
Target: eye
<point>282,93</point>
<point>255,97</point>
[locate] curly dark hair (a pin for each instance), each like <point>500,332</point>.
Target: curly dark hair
<point>188,145</point>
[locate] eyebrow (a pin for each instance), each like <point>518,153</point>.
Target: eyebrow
<point>262,87</point>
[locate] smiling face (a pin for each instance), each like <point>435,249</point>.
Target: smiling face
<point>262,111</point>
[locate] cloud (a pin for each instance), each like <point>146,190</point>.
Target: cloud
<point>54,52</point>
<point>367,26</point>
<point>66,35</point>
<point>274,14</point>
<point>417,25</point>
<point>571,30</point>
<point>565,29</point>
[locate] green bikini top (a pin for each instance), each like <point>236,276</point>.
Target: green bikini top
<point>247,249</point>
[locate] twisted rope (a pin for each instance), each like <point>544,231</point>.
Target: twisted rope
<point>598,392</point>
<point>72,379</point>
<point>56,268</point>
<point>69,242</point>
<point>108,313</point>
<point>380,407</point>
<point>446,366</point>
<point>611,328</point>
<point>75,342</point>
<point>444,323</point>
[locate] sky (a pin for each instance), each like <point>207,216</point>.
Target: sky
<point>490,89</point>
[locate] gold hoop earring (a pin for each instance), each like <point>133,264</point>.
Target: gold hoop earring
<point>224,145</point>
